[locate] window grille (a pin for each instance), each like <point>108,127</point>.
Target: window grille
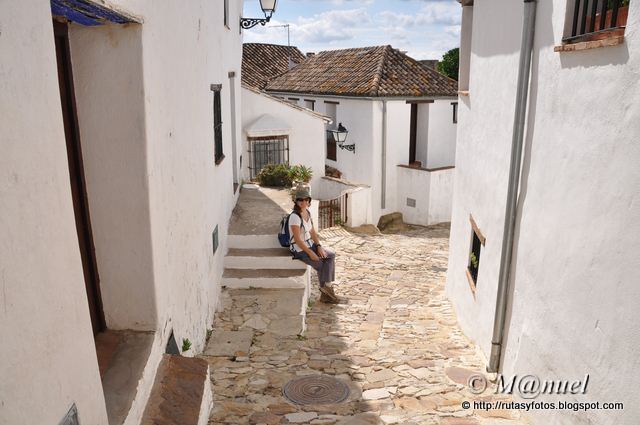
<point>594,19</point>
<point>217,123</point>
<point>267,150</point>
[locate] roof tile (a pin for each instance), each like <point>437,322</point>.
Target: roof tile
<point>262,62</point>
<point>379,71</point>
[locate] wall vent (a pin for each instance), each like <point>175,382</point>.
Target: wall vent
<point>411,202</point>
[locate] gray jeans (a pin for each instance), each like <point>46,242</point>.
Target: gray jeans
<point>326,267</point>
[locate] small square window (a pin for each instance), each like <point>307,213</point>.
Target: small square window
<point>473,265</point>
<point>474,258</point>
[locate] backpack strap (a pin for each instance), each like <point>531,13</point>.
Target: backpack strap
<point>291,241</point>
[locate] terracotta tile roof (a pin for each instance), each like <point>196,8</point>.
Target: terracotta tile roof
<point>262,62</point>
<point>380,71</point>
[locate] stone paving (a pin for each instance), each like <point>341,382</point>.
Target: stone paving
<point>394,341</point>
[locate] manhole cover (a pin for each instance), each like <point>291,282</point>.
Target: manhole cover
<point>316,389</point>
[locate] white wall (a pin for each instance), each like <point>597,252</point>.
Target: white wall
<point>414,184</point>
<point>185,50</point>
<point>442,135</point>
<point>307,137</point>
<point>441,195</point>
<point>363,118</point>
<point>398,129</point>
<point>432,192</point>
<point>47,359</point>
<point>154,192</point>
<point>111,119</point>
<point>355,115</point>
<point>359,209</point>
<point>574,293</point>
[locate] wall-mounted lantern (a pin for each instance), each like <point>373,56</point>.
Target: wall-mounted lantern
<point>268,8</point>
<point>340,136</point>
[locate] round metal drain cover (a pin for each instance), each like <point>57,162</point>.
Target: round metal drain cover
<point>316,389</point>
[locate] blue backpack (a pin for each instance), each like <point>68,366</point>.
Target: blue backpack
<point>284,237</point>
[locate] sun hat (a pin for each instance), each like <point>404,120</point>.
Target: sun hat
<point>301,192</point>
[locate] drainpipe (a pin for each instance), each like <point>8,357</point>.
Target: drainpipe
<point>384,156</point>
<point>524,72</point>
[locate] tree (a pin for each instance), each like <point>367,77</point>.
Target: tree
<point>449,64</point>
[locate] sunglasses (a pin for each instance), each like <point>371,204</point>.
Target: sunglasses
<point>303,199</point>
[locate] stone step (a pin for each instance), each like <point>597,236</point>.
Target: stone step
<point>259,241</point>
<point>181,393</point>
<point>279,311</point>
<point>266,278</point>
<point>265,258</point>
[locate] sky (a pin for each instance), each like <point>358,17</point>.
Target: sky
<point>425,29</point>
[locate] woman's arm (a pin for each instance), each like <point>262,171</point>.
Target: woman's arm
<point>298,241</point>
<point>316,240</point>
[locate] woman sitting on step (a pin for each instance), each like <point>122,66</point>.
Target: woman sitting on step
<point>306,245</point>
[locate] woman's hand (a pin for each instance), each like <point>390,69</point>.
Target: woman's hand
<point>321,252</point>
<point>313,256</point>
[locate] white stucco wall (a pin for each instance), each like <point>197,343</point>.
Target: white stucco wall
<point>47,359</point>
<point>363,118</point>
<point>155,194</point>
<point>111,120</point>
<point>440,195</point>
<point>573,304</point>
<point>431,191</point>
<point>355,115</point>
<point>307,144</point>
<point>359,209</point>
<point>442,135</point>
<point>189,194</point>
<point>414,184</point>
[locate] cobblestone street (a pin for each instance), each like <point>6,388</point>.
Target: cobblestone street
<point>394,341</point>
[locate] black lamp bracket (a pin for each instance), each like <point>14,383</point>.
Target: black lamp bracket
<point>246,23</point>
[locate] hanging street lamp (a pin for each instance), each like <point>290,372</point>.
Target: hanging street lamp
<point>268,8</point>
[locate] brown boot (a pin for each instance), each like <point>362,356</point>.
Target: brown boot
<point>327,300</point>
<point>328,293</point>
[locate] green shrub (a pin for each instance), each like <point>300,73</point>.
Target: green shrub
<point>276,175</point>
<point>186,344</point>
<point>300,173</point>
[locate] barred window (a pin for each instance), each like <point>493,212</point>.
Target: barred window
<point>217,123</point>
<point>591,20</point>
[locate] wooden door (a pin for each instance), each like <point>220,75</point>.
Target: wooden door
<point>76,174</point>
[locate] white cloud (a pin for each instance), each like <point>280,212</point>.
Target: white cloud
<point>341,2</point>
<point>426,34</point>
<point>334,25</point>
<point>435,13</point>
<point>324,28</point>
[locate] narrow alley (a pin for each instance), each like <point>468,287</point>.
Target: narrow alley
<point>394,341</point>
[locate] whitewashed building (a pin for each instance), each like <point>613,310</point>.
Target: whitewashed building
<point>401,121</point>
<point>120,163</point>
<point>542,265</point>
<point>276,130</point>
